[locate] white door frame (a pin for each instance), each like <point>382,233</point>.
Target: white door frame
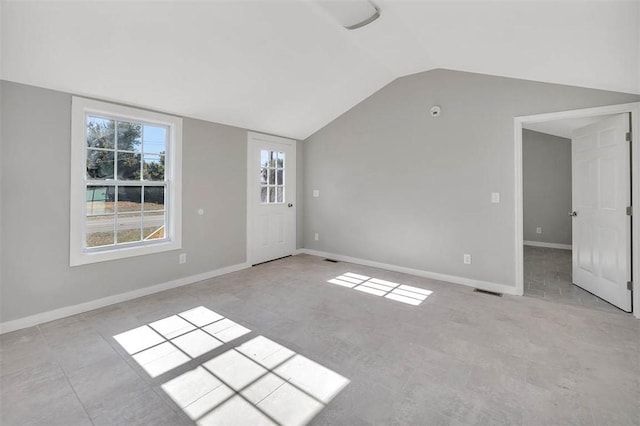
<point>634,109</point>
<point>251,174</point>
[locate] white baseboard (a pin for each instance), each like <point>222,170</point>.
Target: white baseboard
<point>483,285</point>
<point>548,245</point>
<point>43,317</point>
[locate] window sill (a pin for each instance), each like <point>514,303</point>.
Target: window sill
<point>85,258</point>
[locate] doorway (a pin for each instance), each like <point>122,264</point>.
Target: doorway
<point>271,197</point>
<point>597,257</point>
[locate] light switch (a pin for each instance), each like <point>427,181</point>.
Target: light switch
<point>316,193</point>
<point>495,197</point>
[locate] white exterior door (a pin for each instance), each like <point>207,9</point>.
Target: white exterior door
<point>601,193</point>
<point>271,200</point>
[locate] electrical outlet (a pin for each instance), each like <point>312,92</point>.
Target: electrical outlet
<point>539,230</point>
<point>467,259</point>
<point>316,193</point>
<point>316,236</point>
<point>182,258</point>
<point>495,197</point>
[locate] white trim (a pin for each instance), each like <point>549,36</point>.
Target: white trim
<point>634,109</point>
<point>251,190</point>
<point>548,245</point>
<point>79,107</point>
<point>67,311</point>
<point>483,285</point>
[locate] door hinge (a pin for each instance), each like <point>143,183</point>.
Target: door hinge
<point>629,285</point>
<point>629,211</point>
<point>628,136</point>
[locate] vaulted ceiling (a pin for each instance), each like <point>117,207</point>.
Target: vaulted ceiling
<point>288,67</point>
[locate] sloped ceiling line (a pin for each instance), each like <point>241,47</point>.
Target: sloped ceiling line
<point>286,67</point>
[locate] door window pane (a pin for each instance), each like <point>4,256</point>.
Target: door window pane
<point>272,176</point>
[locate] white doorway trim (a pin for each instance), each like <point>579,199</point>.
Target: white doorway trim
<point>251,137</point>
<point>634,109</point>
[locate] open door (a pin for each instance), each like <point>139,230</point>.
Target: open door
<point>271,189</point>
<point>601,178</point>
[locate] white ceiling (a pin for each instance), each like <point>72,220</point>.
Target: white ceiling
<point>564,127</point>
<point>288,68</point>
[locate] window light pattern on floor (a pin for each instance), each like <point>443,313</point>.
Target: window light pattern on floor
<point>170,342</point>
<point>258,382</point>
<point>387,289</point>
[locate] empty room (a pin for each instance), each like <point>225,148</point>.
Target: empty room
<point>324,212</point>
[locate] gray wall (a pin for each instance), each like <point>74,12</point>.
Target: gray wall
<point>400,187</point>
<point>546,173</point>
<point>299,195</point>
<point>35,154</point>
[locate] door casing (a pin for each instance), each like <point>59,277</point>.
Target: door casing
<point>634,109</point>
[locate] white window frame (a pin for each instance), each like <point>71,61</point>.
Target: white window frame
<point>78,253</point>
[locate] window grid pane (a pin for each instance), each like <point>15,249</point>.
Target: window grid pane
<point>272,177</point>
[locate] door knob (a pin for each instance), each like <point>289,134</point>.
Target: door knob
<point>573,214</point>
<point>290,205</point>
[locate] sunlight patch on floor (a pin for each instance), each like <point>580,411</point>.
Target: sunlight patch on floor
<point>168,343</point>
<point>387,289</point>
<point>258,382</point>
<point>255,383</point>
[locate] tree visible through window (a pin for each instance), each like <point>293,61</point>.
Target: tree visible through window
<point>126,185</point>
<point>126,182</point>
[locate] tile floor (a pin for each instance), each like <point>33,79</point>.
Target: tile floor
<point>454,358</point>
<point>547,275</point>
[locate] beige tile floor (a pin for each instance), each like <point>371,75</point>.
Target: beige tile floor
<point>295,348</point>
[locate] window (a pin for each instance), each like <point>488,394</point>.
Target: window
<point>271,177</point>
<point>125,185</point>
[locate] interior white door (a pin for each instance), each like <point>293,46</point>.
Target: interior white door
<point>271,189</point>
<point>601,193</point>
